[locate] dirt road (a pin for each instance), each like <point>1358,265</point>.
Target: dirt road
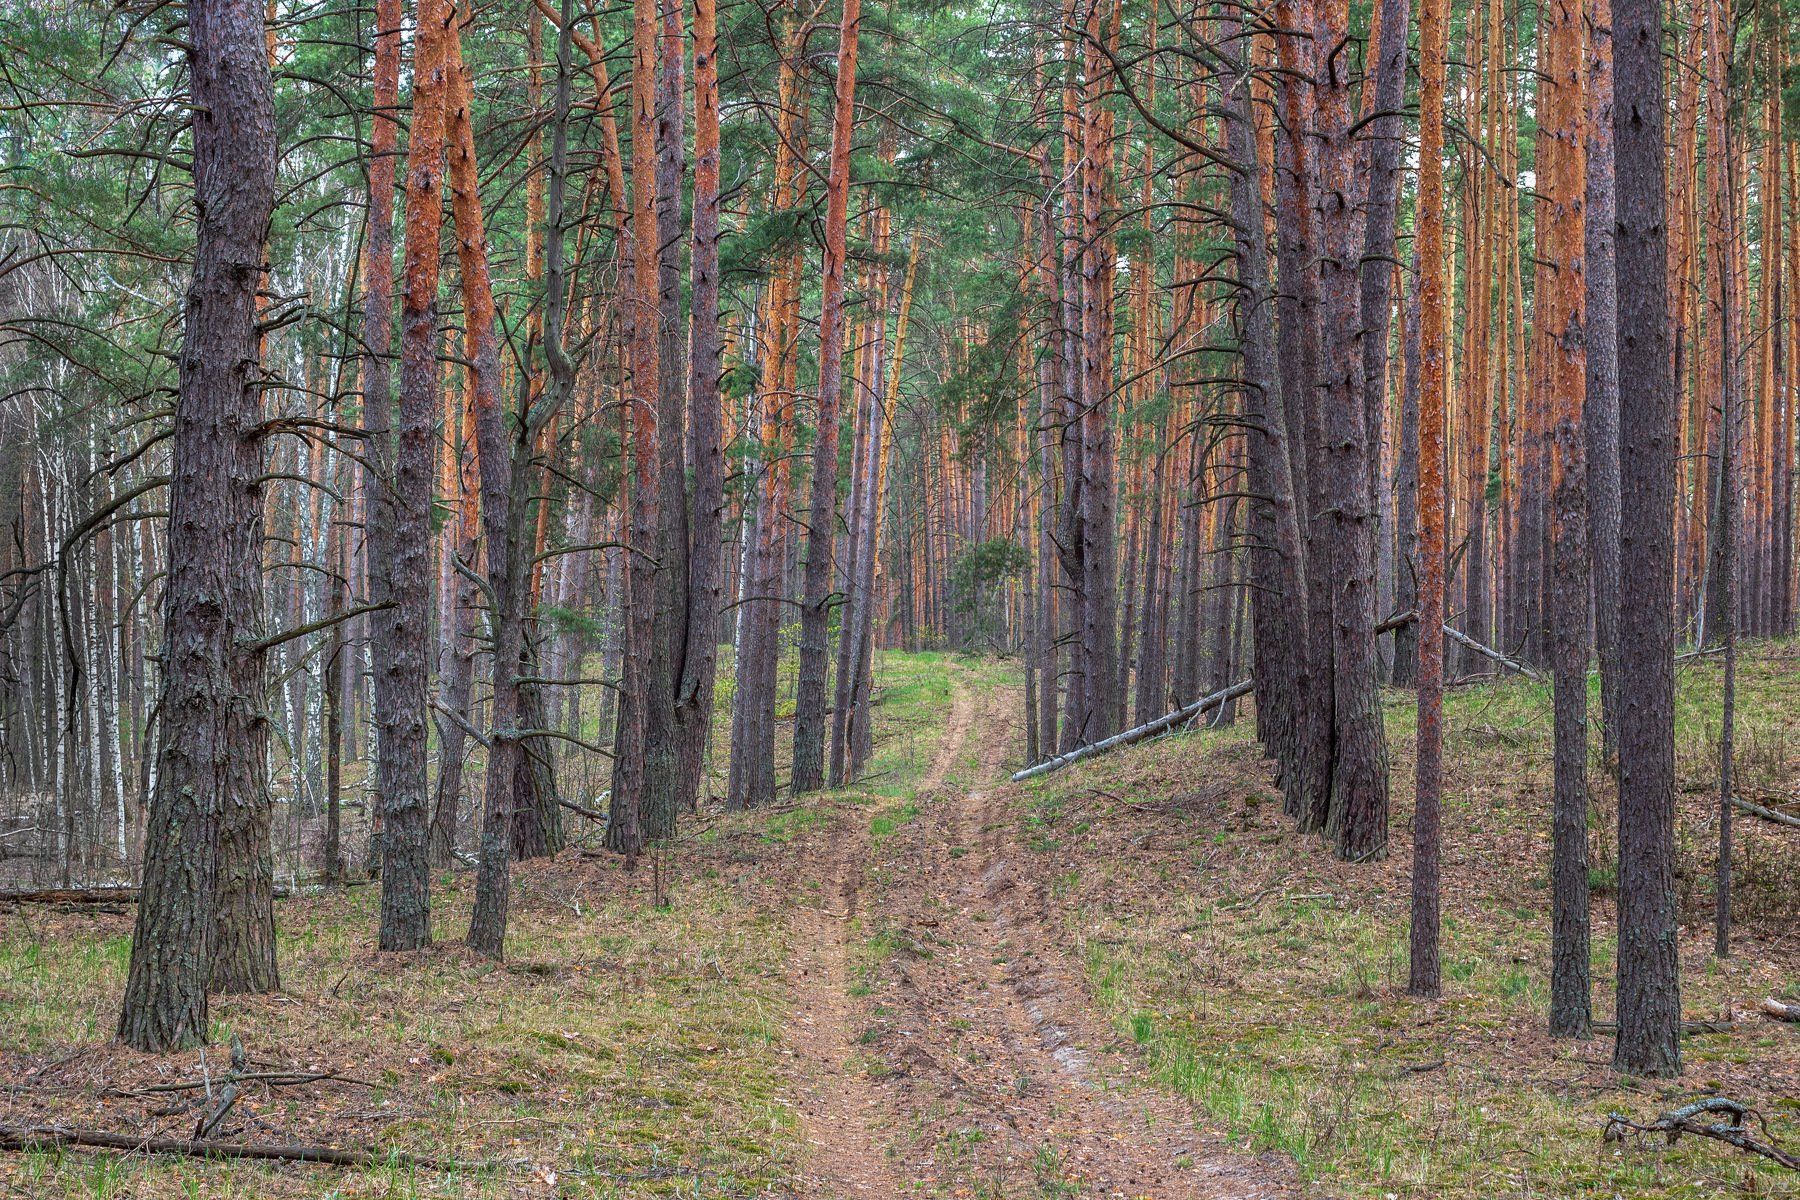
<point>946,1036</point>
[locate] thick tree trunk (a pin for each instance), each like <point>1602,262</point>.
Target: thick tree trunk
<point>212,728</point>
<point>1649,974</point>
<point>669,625</point>
<point>1308,787</point>
<point>1358,815</point>
<point>1277,567</point>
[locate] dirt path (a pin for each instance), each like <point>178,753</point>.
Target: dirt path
<point>975,1066</point>
<point>839,1108</point>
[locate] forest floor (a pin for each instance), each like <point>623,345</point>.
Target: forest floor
<point>1128,979</point>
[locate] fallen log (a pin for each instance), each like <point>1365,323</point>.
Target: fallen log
<point>1688,1119</point>
<point>1779,1011</point>
<point>1766,814</point>
<point>1180,716</point>
<point>129,895</point>
<point>45,1137</point>
<point>96,895</point>
<point>1149,729</point>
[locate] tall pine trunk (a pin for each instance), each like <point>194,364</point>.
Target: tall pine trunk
<point>1649,972</point>
<point>821,513</point>
<point>212,731</point>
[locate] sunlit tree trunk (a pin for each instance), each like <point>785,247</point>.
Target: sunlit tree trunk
<point>822,516</point>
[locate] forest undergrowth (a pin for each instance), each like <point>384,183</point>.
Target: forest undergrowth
<point>625,1048</point>
<point>635,1048</point>
<point>1266,980</point>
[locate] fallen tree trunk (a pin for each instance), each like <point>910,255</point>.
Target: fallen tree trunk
<point>129,895</point>
<point>1767,814</point>
<point>1779,1011</point>
<point>98,895</point>
<point>1180,716</point>
<point>44,1137</point>
<point>1150,729</point>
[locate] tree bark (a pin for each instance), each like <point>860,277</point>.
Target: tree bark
<point>402,630</point>
<point>821,514</point>
<point>1562,294</point>
<point>1358,816</point>
<point>1600,410</point>
<point>212,729</point>
<point>1423,976</point>
<point>706,559</point>
<point>1649,978</point>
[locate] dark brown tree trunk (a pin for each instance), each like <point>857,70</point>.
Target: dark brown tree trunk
<point>1277,566</point>
<point>1649,972</point>
<point>669,624</point>
<point>625,832</point>
<point>506,477</point>
<point>1358,814</point>
<point>1307,787</point>
<point>212,726</point>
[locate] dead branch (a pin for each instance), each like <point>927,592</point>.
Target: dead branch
<point>1511,664</point>
<point>45,1137</point>
<point>1690,1119</point>
<point>129,895</point>
<point>1767,814</point>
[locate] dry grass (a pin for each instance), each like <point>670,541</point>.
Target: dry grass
<point>629,1050</point>
<point>624,1049</point>
<point>1266,980</point>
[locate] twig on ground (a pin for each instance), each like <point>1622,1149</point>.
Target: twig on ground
<point>1689,1119</point>
<point>44,1137</point>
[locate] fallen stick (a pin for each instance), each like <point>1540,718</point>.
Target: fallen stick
<point>99,895</point>
<point>129,895</point>
<point>1687,1119</point>
<point>1775,1009</point>
<point>272,1078</point>
<point>1150,729</point>
<point>1767,814</point>
<point>44,1137</point>
<point>1168,721</point>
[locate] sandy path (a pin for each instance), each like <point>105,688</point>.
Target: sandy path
<point>976,1067</point>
